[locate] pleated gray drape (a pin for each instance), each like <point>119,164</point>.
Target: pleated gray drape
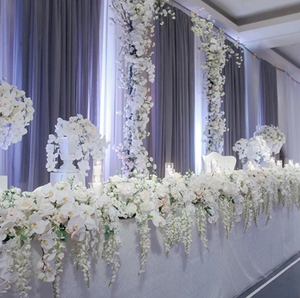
<point>57,46</point>
<point>172,117</point>
<point>268,107</point>
<point>234,104</point>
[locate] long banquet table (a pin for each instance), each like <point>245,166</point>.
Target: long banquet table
<point>226,270</point>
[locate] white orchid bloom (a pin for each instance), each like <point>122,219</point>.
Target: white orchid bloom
<point>48,190</point>
<point>6,228</point>
<point>69,210</point>
<point>79,234</point>
<point>75,223</point>
<point>157,220</point>
<point>64,196</point>
<point>48,241</point>
<point>37,224</point>
<point>49,268</point>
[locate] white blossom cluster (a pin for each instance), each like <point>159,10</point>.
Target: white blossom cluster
<point>53,214</point>
<point>274,137</point>
<point>88,141</point>
<point>137,196</point>
<point>136,17</point>
<point>16,112</point>
<point>216,54</point>
<point>254,149</point>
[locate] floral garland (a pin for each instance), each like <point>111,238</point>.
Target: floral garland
<point>274,137</point>
<point>255,150</point>
<point>16,112</point>
<point>50,215</point>
<point>87,140</point>
<point>53,214</point>
<point>135,17</point>
<point>216,52</point>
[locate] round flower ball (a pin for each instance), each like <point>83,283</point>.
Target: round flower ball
<point>16,113</point>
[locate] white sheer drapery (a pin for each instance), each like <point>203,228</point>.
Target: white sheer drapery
<point>9,64</point>
<point>200,107</point>
<point>112,97</point>
<point>288,114</point>
<point>252,92</point>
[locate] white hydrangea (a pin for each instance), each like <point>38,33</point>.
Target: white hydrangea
<point>16,113</point>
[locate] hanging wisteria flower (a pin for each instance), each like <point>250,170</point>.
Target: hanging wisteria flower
<point>254,150</point>
<point>15,250</point>
<point>216,53</point>
<point>136,20</point>
<point>16,112</point>
<point>139,197</point>
<point>81,136</point>
<point>272,135</point>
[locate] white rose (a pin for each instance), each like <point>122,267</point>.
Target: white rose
<point>117,179</point>
<point>131,208</point>
<point>147,206</point>
<point>25,203</point>
<point>80,195</point>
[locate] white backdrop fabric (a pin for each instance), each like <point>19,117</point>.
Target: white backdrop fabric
<point>252,92</point>
<point>200,107</point>
<point>288,114</point>
<point>112,97</point>
<point>227,269</point>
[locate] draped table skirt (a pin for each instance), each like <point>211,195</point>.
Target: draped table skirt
<point>228,268</point>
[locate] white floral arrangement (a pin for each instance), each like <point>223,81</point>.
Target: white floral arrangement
<point>216,53</point>
<point>16,113</point>
<point>88,141</point>
<point>51,215</point>
<point>137,197</point>
<point>255,150</point>
<point>274,137</point>
<point>136,20</point>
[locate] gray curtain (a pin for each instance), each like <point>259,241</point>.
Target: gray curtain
<point>57,46</point>
<point>172,118</point>
<point>268,107</point>
<point>234,104</point>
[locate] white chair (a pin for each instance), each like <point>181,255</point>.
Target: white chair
<point>224,163</point>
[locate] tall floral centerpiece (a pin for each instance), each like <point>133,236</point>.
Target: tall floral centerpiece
<point>254,150</point>
<point>216,54</point>
<point>74,141</point>
<point>273,136</point>
<point>16,112</point>
<point>135,17</point>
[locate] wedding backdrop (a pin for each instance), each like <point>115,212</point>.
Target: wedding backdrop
<point>119,100</point>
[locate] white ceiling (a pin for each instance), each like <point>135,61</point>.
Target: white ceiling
<point>290,53</point>
<point>259,24</point>
<point>242,10</point>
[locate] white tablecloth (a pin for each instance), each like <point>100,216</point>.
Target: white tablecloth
<point>227,269</point>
